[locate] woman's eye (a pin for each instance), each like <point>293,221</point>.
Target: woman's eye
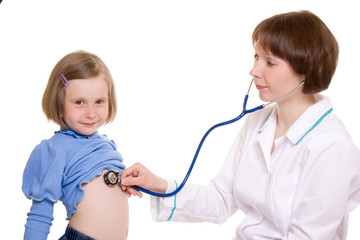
<point>270,63</point>
<point>256,56</point>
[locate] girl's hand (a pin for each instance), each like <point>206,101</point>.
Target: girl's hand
<point>140,176</point>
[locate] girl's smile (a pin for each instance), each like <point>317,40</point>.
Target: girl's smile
<point>86,104</point>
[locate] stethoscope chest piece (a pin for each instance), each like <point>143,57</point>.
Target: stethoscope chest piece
<point>111,178</point>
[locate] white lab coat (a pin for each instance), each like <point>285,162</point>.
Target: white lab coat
<point>304,190</point>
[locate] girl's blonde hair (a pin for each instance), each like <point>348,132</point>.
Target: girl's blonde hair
<point>76,65</point>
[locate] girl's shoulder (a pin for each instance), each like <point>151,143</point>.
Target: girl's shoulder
<point>43,171</point>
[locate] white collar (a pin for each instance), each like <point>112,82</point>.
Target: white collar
<point>305,123</point>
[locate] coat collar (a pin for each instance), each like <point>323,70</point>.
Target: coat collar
<point>303,125</point>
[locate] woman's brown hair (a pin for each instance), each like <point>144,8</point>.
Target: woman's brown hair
<point>302,39</point>
<point>76,65</point>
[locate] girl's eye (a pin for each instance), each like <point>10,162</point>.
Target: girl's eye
<point>79,102</point>
<point>99,101</point>
<point>256,56</point>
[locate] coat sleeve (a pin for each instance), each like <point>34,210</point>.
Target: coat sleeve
<point>197,203</point>
<point>215,202</point>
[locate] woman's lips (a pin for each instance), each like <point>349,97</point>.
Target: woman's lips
<point>259,87</point>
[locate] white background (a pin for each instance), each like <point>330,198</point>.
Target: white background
<point>179,68</point>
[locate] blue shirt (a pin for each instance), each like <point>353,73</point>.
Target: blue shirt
<point>57,168</point>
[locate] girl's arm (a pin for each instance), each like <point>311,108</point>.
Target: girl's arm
<point>39,220</point>
<point>42,183</point>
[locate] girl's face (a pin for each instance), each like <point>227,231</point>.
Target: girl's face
<point>86,104</point>
<point>273,76</point>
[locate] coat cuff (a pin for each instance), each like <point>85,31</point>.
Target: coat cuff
<point>161,208</point>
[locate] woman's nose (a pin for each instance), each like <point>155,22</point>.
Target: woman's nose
<point>255,72</point>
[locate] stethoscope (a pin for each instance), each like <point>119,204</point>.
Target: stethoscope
<point>113,178</point>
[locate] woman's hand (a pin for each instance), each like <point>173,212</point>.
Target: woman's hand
<point>140,176</point>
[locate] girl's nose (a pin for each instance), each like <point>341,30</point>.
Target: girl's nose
<point>90,112</point>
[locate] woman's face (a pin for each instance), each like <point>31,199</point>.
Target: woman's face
<point>273,76</point>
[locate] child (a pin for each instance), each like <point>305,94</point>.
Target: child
<point>80,97</point>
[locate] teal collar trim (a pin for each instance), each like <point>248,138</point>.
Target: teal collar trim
<point>260,129</point>
<point>313,126</point>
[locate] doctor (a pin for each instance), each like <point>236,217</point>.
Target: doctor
<point>293,169</point>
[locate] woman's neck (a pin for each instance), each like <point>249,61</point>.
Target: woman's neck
<point>289,110</point>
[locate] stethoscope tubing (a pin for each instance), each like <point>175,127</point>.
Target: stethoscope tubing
<point>243,113</point>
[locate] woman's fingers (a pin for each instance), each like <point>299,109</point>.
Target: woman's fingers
<point>131,191</point>
<point>140,176</point>
<point>132,171</point>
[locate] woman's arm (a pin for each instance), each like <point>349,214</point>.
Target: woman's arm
<point>194,203</point>
<point>214,202</point>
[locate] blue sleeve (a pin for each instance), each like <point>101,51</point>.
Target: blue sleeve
<point>42,181</point>
<point>43,173</point>
<point>39,220</point>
